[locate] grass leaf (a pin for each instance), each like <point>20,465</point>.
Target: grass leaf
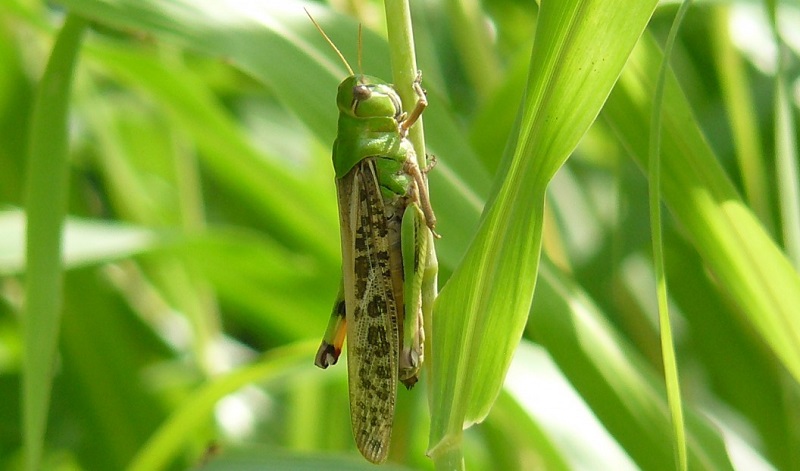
<point>46,202</point>
<point>482,310</point>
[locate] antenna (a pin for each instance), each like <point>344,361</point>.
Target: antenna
<point>360,48</point>
<point>346,64</point>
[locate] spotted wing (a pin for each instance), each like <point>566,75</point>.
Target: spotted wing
<point>372,338</point>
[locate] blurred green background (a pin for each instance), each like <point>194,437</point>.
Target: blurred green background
<point>201,248</point>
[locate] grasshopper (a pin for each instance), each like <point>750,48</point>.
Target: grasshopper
<point>387,224</point>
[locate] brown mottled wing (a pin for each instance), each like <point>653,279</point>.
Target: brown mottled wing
<point>371,310</point>
<point>372,338</point>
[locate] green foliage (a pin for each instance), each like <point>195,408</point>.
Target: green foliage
<point>196,195</point>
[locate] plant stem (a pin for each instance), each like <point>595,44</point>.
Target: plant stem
<point>404,66</point>
<point>404,71</point>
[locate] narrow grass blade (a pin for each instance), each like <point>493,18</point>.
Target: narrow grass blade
<point>654,177</point>
<point>46,204</point>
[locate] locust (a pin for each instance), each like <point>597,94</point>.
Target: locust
<point>387,225</point>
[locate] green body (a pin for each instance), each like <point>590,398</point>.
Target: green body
<point>386,225</point>
<point>368,127</point>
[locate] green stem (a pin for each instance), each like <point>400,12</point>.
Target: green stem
<point>404,66</point>
<point>450,457</point>
<point>404,71</point>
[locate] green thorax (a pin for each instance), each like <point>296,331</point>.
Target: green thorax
<point>369,112</point>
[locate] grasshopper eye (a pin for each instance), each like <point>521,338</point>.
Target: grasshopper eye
<point>361,92</point>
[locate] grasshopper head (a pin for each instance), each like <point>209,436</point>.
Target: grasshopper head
<point>363,96</point>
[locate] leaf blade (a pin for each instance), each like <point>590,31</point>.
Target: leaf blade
<point>46,194</point>
<point>482,310</point>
